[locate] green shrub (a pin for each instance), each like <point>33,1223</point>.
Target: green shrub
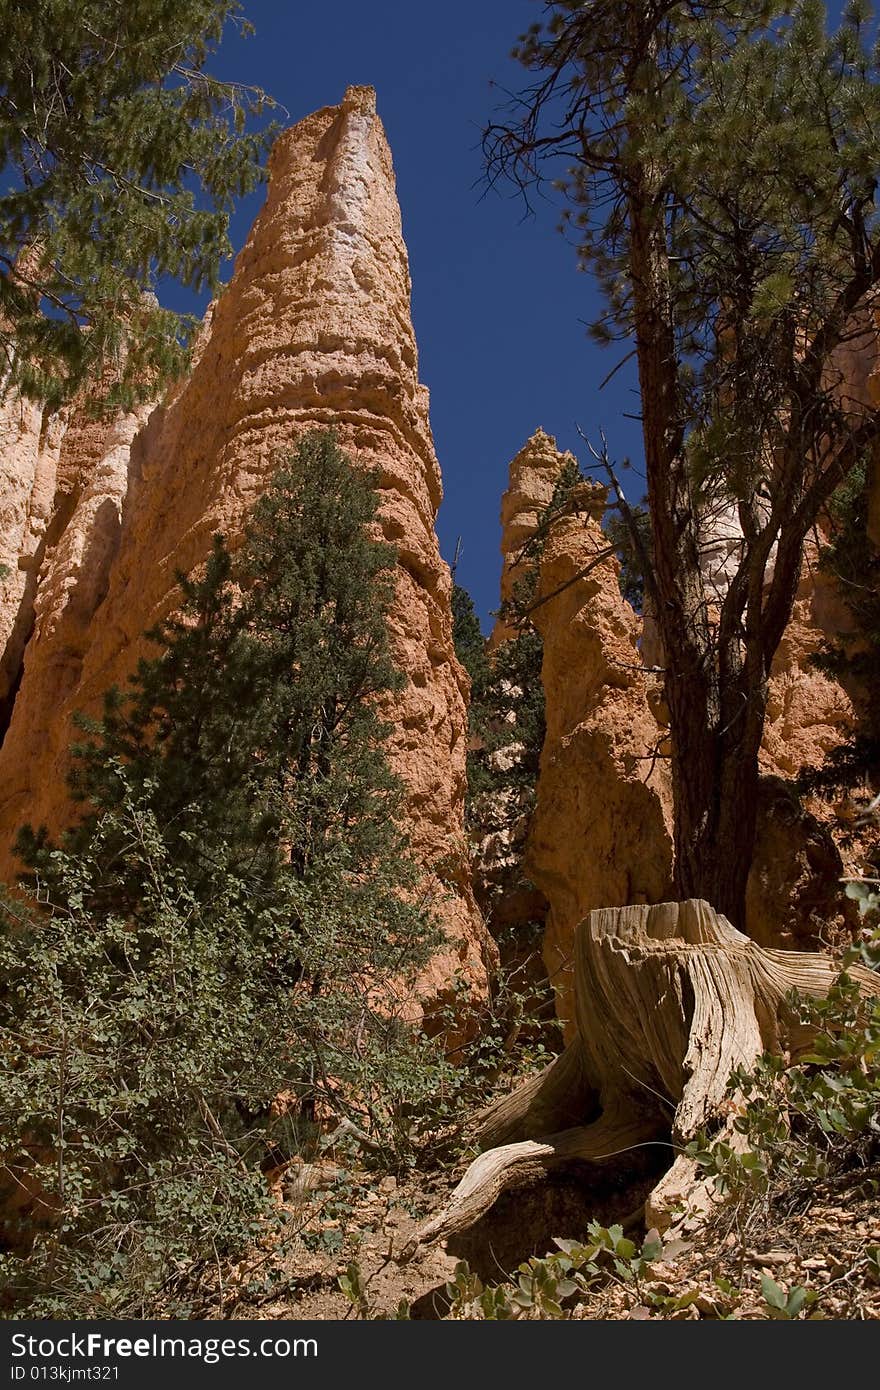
<point>221,953</point>
<point>545,1287</point>
<point>814,1120</point>
<point>141,1055</point>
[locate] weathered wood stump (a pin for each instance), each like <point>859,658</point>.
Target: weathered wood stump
<point>669,999</point>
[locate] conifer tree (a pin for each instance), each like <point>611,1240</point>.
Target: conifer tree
<point>236,915</point>
<point>720,165</point>
<point>261,705</point>
<point>468,639</point>
<point>259,722</point>
<point>122,156</point>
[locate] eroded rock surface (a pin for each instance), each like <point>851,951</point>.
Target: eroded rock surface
<point>601,833</point>
<point>313,330</point>
<point>808,713</point>
<point>600,830</point>
<point>532,479</point>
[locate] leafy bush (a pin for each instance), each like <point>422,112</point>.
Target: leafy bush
<point>141,1057</point>
<point>814,1120</point>
<point>221,953</point>
<point>543,1286</point>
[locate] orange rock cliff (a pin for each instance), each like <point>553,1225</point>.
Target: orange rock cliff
<point>313,330</point>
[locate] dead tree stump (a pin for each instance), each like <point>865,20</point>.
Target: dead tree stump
<point>669,999</point>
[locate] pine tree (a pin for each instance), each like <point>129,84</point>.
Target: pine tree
<point>719,166</point>
<point>620,532</point>
<point>237,913</point>
<point>259,722</point>
<point>261,707</point>
<point>122,156</point>
<point>468,639</point>
<point>853,562</point>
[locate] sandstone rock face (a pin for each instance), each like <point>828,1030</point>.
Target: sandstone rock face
<point>808,714</point>
<point>515,909</point>
<point>504,894</point>
<point>532,478</point>
<point>52,470</point>
<point>600,834</point>
<point>28,467</point>
<point>71,579</point>
<point>313,330</point>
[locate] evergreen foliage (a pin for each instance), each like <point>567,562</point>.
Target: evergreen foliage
<point>507,732</point>
<point>468,640</point>
<point>235,918</point>
<point>854,563</point>
<point>718,165</point>
<point>260,707</point>
<point>123,156</point>
<point>507,723</point>
<point>505,738</point>
<point>632,571</point>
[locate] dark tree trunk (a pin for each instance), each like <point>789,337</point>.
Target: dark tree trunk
<point>719,647</point>
<point>715,668</point>
<point>715,779</point>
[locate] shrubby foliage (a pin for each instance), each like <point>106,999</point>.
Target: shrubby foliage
<point>141,1055</point>
<point>812,1121</point>
<point>221,951</point>
<point>546,1286</point>
<point>507,732</point>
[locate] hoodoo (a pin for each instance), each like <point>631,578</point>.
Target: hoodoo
<point>601,831</point>
<point>314,330</point>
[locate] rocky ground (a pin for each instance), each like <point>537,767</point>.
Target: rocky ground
<point>830,1250</point>
<point>335,1216</point>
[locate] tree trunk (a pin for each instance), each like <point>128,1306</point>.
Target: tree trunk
<point>716,775</point>
<point>713,848</point>
<point>669,999</point>
<point>715,685</point>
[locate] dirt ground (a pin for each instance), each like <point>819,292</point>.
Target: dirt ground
<point>334,1216</point>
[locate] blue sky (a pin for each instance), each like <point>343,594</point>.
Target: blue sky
<point>498,303</point>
